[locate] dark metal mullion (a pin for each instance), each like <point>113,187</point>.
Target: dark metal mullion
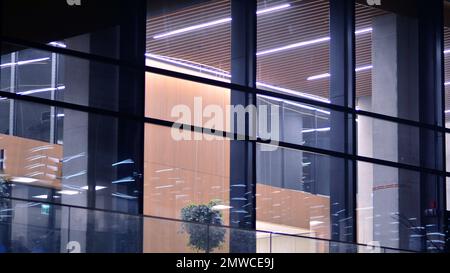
<point>342,85</point>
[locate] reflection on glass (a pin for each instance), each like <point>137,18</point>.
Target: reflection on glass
<point>81,166</point>
<point>293,192</point>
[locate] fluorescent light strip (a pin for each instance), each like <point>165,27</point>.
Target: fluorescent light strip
<point>293,92</point>
<point>307,43</point>
<point>24,62</point>
<point>447,83</point>
<point>226,75</point>
<point>296,104</point>
<point>215,23</point>
<point>292,46</point>
<point>272,9</point>
<point>41,90</point>
<point>58,44</point>
<point>447,51</point>
<point>196,67</point>
<point>317,130</point>
<point>192,28</point>
<point>327,75</point>
<point>363,31</point>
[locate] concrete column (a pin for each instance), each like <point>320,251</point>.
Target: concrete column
<point>395,93</point>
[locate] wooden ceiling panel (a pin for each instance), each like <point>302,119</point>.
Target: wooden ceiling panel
<point>304,20</point>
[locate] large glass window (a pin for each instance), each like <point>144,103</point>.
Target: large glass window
<point>387,59</point>
<point>93,164</point>
<point>293,48</point>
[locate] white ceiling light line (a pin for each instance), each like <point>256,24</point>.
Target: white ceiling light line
<point>215,22</point>
<point>24,62</point>
<point>29,92</point>
<point>195,67</point>
<point>227,75</point>
<point>296,104</point>
<point>327,75</point>
<point>293,92</point>
<point>272,9</point>
<point>192,28</point>
<point>307,43</point>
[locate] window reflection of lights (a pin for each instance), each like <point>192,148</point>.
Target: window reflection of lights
<point>68,192</point>
<point>215,22</point>
<point>58,44</point>
<point>70,158</point>
<point>317,130</point>
<point>97,188</point>
<point>24,180</point>
<point>34,91</point>
<point>164,187</point>
<point>127,161</point>
<point>34,166</point>
<point>75,175</point>
<point>221,207</point>
<point>123,180</point>
<point>44,196</point>
<point>41,148</point>
<point>33,174</point>
<point>25,62</point>
<point>315,223</point>
<point>164,170</point>
<point>123,196</point>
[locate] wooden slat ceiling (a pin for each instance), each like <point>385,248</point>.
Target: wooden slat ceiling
<point>304,20</point>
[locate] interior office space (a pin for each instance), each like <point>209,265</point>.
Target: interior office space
<point>88,160</point>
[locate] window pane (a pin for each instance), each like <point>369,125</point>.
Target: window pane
<point>388,140</point>
<point>300,123</point>
<point>90,27</point>
<point>389,213</point>
<point>293,191</point>
<point>191,171</point>
<point>74,80</point>
<point>192,37</point>
<point>293,47</point>
<point>387,59</point>
<point>94,161</point>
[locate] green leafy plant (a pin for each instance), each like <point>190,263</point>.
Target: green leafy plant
<point>202,238</point>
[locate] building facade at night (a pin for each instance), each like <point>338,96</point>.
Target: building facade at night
<point>116,134</point>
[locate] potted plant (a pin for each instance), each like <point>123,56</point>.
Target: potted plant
<point>201,236</point>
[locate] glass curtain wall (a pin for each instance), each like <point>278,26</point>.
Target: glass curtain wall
<point>355,150</point>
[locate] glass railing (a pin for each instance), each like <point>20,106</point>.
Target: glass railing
<point>40,227</point>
